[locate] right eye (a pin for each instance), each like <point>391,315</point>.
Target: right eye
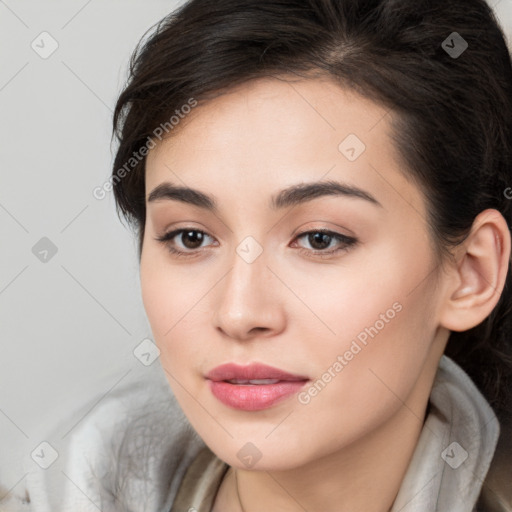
<point>190,237</point>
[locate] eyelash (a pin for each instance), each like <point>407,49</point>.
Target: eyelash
<point>348,242</point>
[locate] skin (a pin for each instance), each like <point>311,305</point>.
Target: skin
<point>349,447</point>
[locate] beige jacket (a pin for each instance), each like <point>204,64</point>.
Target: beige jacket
<point>135,451</point>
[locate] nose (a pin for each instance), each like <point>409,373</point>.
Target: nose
<point>248,301</point>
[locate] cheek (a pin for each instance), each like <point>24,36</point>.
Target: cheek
<point>365,374</point>
<point>384,326</point>
<point>371,294</point>
<point>174,302</point>
<point>164,291</point>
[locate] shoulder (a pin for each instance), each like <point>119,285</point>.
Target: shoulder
<point>124,450</point>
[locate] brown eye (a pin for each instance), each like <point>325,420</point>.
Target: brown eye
<point>192,239</point>
<point>321,239</point>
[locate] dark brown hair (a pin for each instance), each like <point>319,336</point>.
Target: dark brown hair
<point>451,107</point>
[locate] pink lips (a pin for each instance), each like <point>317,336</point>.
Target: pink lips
<point>256,395</point>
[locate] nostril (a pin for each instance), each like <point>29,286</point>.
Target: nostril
<point>259,329</point>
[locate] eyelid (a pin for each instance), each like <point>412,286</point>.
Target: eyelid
<point>348,241</point>
<point>173,233</point>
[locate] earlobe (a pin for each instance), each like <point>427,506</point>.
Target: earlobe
<point>479,276</point>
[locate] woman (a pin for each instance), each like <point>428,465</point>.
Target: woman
<point>321,193</point>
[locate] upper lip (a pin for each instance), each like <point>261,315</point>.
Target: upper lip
<point>252,371</point>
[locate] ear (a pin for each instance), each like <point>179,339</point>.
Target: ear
<point>478,274</point>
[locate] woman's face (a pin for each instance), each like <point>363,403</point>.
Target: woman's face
<point>354,311</point>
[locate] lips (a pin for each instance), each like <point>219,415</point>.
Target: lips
<point>252,372</point>
<point>253,387</point>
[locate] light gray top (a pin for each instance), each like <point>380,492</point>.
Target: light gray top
<point>131,453</point>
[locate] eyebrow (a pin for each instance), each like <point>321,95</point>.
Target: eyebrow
<point>290,196</point>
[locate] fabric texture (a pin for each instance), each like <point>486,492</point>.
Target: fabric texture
<point>135,451</point>
<point>448,466</point>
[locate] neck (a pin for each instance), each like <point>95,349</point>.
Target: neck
<point>364,476</point>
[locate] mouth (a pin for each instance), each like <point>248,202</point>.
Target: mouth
<point>257,382</point>
<point>252,372</point>
<point>253,387</point>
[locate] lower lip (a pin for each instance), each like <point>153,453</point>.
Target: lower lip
<point>254,397</point>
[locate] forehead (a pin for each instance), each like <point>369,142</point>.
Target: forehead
<point>269,133</point>
<point>281,113</point>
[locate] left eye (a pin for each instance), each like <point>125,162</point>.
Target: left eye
<point>323,239</point>
<point>192,239</point>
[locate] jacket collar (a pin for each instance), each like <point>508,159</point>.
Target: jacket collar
<point>455,447</point>
<point>446,471</point>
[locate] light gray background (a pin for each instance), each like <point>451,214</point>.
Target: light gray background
<point>69,325</point>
